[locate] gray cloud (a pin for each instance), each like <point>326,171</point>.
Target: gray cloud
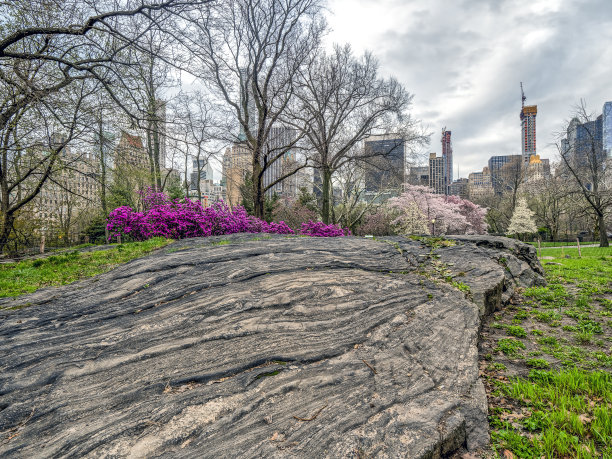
<point>464,60</point>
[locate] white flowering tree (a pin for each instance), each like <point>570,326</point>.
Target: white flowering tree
<point>410,221</point>
<point>522,221</point>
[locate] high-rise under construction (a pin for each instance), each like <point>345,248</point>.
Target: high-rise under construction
<point>528,128</point>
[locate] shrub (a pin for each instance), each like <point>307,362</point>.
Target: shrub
<point>320,229</point>
<point>180,219</point>
<point>294,215</point>
<point>377,223</point>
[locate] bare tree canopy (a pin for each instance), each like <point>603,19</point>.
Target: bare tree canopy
<point>249,53</point>
<point>54,57</point>
<point>584,162</point>
<point>343,101</point>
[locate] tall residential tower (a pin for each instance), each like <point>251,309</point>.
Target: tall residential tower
<point>607,129</point>
<point>528,128</point>
<point>447,154</point>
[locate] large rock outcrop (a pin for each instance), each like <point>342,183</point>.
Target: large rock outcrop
<point>261,346</point>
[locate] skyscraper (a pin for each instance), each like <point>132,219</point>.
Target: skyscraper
<point>436,174</point>
<point>248,108</point>
<point>237,162</point>
<point>385,164</point>
<point>537,169</point>
<point>447,154</point>
<point>479,184</point>
<point>418,175</point>
<point>585,142</point>
<point>506,172</point>
<point>607,129</point>
<point>460,188</point>
<point>280,138</point>
<point>201,172</point>
<point>528,128</point>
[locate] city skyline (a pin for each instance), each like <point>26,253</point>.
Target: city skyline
<point>466,74</point>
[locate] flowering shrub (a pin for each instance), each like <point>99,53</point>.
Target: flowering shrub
<point>320,229</point>
<point>293,214</point>
<point>419,210</point>
<point>151,198</point>
<point>377,223</point>
<point>179,219</point>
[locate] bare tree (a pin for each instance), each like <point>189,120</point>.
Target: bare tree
<point>146,81</point>
<point>350,207</point>
<point>48,50</point>
<point>31,146</point>
<point>250,51</point>
<point>343,101</point>
<point>509,179</point>
<point>198,118</point>
<point>65,36</point>
<point>584,161</point>
<point>548,197</point>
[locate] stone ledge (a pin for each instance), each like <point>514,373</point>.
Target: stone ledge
<point>261,347</point>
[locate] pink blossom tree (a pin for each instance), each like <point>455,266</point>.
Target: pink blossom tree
<point>437,214</point>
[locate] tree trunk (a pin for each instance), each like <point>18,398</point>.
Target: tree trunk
<point>6,226</point>
<point>603,237</point>
<point>150,154</point>
<point>156,155</point>
<point>198,182</point>
<point>103,177</point>
<point>326,194</point>
<point>186,177</point>
<point>258,192</point>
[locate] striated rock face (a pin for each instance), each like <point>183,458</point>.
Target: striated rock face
<point>264,346</point>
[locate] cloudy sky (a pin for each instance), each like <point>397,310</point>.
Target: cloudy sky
<point>464,59</point>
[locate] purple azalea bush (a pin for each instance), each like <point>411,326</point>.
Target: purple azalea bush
<point>320,229</point>
<point>180,219</point>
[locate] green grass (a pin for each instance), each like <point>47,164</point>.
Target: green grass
<point>461,286</point>
<point>537,363</point>
<point>516,330</point>
<point>594,268</point>
<point>510,347</point>
<point>564,408</point>
<point>569,415</point>
<point>221,242</point>
<point>559,244</point>
<point>30,275</point>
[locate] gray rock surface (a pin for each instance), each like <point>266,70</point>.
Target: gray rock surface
<point>265,346</point>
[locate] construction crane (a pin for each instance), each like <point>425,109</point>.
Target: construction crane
<point>523,98</point>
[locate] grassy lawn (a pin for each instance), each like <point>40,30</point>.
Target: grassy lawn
<point>547,362</point>
<point>560,244</point>
<point>30,275</point>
